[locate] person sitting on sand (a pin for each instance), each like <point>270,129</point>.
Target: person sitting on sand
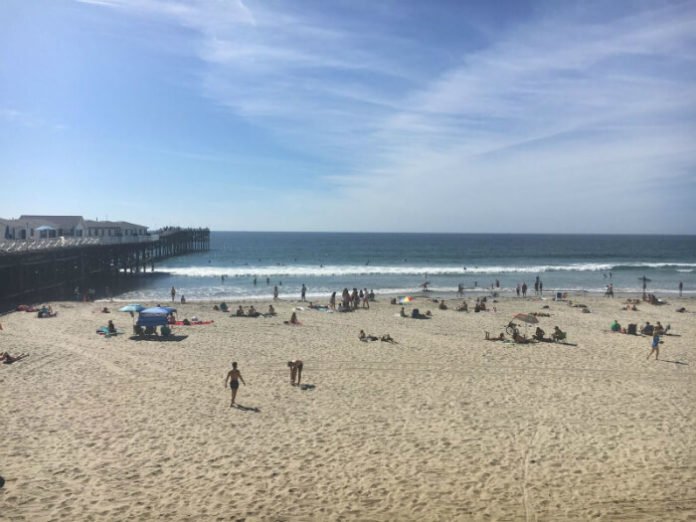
<point>402,312</point>
<point>659,329</point>
<point>647,328</point>
<point>558,334</point>
<point>224,307</point>
<point>233,377</point>
<point>539,334</point>
<point>442,306</point>
<point>46,311</point>
<point>293,320</point>
<point>239,312</point>
<point>520,339</point>
<point>615,326</point>
<point>463,307</point>
<point>271,310</point>
<point>386,338</point>
<point>252,312</point>
<point>105,310</point>
<point>295,372</point>
<point>6,358</point>
<point>111,328</point>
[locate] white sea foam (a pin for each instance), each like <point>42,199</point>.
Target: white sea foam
<point>410,270</point>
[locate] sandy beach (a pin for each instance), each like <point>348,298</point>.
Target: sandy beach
<point>441,426</point>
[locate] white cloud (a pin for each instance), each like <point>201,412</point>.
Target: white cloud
<point>559,112</point>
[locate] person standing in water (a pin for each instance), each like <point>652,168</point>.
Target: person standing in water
<point>173,292</point>
<point>233,377</point>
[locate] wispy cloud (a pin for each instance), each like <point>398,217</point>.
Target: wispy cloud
<point>563,106</point>
<point>28,120</point>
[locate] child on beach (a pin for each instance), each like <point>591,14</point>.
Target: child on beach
<point>655,347</point>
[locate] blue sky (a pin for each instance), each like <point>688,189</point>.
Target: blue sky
<point>517,116</point>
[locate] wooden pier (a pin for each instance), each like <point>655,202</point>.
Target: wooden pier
<point>54,271</point>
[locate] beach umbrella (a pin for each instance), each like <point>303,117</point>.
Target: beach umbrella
<point>405,300</point>
<point>526,318</point>
<point>132,308</point>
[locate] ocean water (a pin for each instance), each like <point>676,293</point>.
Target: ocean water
<point>400,263</point>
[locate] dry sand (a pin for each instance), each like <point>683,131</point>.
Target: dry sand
<point>442,426</point>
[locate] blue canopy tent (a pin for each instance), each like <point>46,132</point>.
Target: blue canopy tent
<point>156,316</point>
<point>152,320</point>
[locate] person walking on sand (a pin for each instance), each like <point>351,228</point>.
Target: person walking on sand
<point>233,377</point>
<point>173,292</point>
<point>655,347</point>
<point>295,372</point>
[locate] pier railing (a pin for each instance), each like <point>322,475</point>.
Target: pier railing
<point>14,246</point>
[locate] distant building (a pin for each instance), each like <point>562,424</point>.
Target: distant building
<point>29,227</point>
<point>68,226</point>
<point>113,229</point>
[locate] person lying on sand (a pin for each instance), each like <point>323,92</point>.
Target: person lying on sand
<point>6,358</point>
<point>365,338</point>
<point>501,337</point>
<point>295,371</point>
<point>386,338</point>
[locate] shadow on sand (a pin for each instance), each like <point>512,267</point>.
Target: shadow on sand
<point>674,362</point>
<point>247,408</point>
<point>168,338</point>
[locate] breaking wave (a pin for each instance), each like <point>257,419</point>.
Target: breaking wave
<point>411,270</point>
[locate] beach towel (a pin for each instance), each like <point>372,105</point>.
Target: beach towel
<point>191,323</point>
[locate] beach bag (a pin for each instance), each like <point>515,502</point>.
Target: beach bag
<point>632,329</point>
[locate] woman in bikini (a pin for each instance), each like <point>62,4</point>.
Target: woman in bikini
<point>233,377</point>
